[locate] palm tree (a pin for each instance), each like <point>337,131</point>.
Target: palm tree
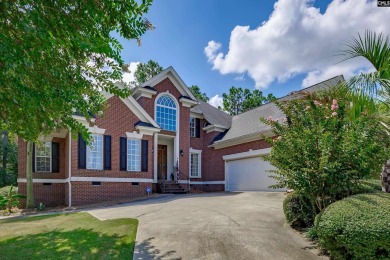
<point>370,87</point>
<point>371,90</point>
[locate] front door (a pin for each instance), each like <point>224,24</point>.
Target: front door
<point>162,162</point>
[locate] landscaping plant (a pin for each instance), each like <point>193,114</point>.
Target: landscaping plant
<point>320,152</point>
<point>356,227</point>
<point>10,200</point>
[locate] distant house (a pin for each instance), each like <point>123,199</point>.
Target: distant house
<point>160,139</point>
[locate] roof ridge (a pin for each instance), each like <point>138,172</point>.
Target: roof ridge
<point>262,105</point>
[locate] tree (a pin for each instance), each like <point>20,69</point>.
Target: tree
<point>55,59</point>
<point>320,152</point>
<point>9,160</point>
<point>146,71</point>
<point>239,100</point>
<point>368,86</point>
<point>198,94</point>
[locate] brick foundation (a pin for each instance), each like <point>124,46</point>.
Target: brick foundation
<point>50,195</point>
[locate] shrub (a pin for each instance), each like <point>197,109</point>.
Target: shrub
<point>367,186</point>
<point>298,210</point>
<point>10,200</point>
<point>320,151</point>
<point>357,227</point>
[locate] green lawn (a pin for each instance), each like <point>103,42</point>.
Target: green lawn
<point>67,236</point>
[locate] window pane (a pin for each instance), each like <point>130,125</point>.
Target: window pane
<point>134,155</point>
<point>166,113</point>
<point>192,127</point>
<point>95,153</point>
<point>43,157</point>
<point>194,165</point>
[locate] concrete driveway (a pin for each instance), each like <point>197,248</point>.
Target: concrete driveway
<point>247,225</point>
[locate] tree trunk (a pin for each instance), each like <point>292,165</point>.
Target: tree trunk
<point>30,194</point>
<point>385,177</point>
<point>5,141</point>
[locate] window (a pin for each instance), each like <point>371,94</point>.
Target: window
<point>166,113</point>
<point>95,153</point>
<point>133,155</point>
<point>43,157</point>
<point>195,164</point>
<point>192,127</point>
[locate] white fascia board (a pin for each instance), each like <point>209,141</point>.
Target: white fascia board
<point>187,102</point>
<point>196,115</point>
<point>214,128</point>
<point>143,92</point>
<point>248,154</point>
<point>240,140</point>
<point>147,130</point>
<point>136,108</point>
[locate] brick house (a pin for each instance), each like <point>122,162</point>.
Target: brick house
<point>160,139</point>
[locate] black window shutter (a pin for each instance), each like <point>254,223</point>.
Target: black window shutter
<point>144,155</point>
<point>107,152</point>
<point>82,153</point>
<point>197,127</point>
<point>33,158</point>
<point>123,154</point>
<point>55,157</point>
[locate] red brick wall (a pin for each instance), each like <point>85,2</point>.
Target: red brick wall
<point>117,120</point>
<point>85,193</point>
<point>49,195</point>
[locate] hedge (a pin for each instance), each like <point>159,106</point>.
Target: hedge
<point>357,227</point>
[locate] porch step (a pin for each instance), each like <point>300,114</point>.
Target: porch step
<point>173,187</point>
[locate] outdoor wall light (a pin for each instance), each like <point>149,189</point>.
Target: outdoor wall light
<point>181,152</point>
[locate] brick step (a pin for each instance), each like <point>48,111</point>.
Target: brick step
<point>176,191</point>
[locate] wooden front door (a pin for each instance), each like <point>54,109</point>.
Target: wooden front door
<point>162,162</point>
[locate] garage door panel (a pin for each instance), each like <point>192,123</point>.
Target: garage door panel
<point>249,174</point>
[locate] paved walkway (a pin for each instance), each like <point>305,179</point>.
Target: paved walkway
<point>247,225</point>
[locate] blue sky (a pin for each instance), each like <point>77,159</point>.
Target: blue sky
<point>185,28</point>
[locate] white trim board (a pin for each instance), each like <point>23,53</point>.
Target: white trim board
<point>203,182</point>
<point>249,154</point>
<point>87,179</point>
<point>22,180</point>
<point>104,179</point>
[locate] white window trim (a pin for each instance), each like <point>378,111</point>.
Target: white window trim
<point>199,153</point>
<point>102,135</point>
<point>50,155</point>
<point>127,154</point>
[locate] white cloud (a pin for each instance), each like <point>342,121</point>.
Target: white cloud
<point>296,39</point>
<point>129,77</point>
<point>216,101</point>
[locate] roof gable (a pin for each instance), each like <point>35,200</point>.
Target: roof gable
<point>175,79</point>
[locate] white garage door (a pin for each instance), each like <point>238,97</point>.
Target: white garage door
<point>249,174</point>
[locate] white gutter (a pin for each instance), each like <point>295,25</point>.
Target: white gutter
<point>70,171</point>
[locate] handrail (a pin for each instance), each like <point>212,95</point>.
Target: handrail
<point>178,175</point>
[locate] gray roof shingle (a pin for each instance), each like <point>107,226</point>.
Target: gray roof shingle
<point>213,115</point>
<point>248,123</point>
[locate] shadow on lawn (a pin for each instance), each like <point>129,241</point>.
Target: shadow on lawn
<point>74,244</point>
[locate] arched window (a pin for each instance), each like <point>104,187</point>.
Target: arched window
<point>166,113</point>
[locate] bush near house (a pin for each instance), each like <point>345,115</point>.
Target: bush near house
<point>357,227</point>
<point>320,152</point>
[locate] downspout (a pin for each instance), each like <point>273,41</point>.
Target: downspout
<point>70,171</point>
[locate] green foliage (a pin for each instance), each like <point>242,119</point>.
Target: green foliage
<point>10,200</point>
<point>8,159</point>
<point>366,87</point>
<point>239,100</point>
<point>356,227</point>
<point>41,206</point>
<point>146,71</point>
<point>57,56</point>
<point>198,94</point>
<point>320,152</point>
<point>367,186</point>
<point>298,210</point>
